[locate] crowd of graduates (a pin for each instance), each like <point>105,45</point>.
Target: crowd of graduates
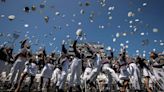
<point>78,70</point>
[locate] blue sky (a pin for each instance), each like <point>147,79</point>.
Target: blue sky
<point>148,15</point>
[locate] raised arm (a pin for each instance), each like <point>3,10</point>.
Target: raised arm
<point>64,50</point>
<point>123,54</point>
<point>77,54</point>
<point>23,42</point>
<point>89,49</point>
<point>112,54</point>
<point>59,58</point>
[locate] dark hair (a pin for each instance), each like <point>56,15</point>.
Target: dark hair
<point>142,63</point>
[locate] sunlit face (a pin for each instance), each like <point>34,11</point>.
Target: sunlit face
<point>152,55</point>
<point>79,49</point>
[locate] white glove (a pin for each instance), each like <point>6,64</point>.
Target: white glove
<point>63,42</point>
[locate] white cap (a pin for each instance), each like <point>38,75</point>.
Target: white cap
<point>79,32</point>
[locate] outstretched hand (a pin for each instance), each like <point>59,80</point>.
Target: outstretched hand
<point>63,42</point>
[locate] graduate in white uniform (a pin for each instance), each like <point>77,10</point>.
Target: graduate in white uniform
<point>41,59</point>
<point>156,63</point>
<point>107,61</point>
<point>88,69</point>
<point>135,74</point>
<point>76,68</point>
<point>46,74</point>
<point>56,76</point>
<point>30,70</point>
<point>64,62</point>
<point>89,63</point>
<point>124,74</point>
<point>19,64</point>
<point>146,73</point>
<point>97,64</point>
<point>57,70</point>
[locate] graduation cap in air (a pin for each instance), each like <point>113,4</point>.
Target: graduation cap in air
<point>27,9</point>
<point>46,18</point>
<point>79,32</point>
<point>41,5</point>
<point>87,4</point>
<point>33,8</point>
<point>82,11</point>
<point>11,17</point>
